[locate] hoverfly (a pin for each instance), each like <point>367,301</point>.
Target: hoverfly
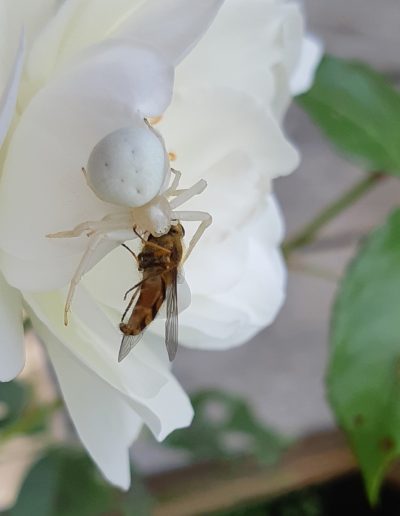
<point>159,262</point>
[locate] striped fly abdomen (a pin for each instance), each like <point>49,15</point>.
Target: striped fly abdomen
<point>151,297</point>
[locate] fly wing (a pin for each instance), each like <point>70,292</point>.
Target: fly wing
<point>127,344</point>
<point>171,324</point>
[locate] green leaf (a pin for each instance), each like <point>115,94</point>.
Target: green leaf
<point>20,413</point>
<point>13,400</point>
<point>364,371</point>
<point>65,482</point>
<point>225,427</point>
<point>359,111</point>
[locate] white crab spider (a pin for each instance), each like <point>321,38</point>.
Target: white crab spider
<point>130,168</point>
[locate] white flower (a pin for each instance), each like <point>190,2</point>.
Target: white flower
<point>90,67</point>
<point>311,54</point>
<point>224,124</point>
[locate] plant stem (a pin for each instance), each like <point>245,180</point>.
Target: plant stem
<point>311,230</point>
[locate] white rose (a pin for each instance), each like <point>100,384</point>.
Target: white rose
<point>224,125</point>
<point>90,67</point>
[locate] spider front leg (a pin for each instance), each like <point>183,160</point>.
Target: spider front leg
<point>115,232</point>
<point>108,223</point>
<point>175,183</point>
<point>205,220</point>
<point>96,240</point>
<point>185,195</point>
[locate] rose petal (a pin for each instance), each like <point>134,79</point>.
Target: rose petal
<point>245,151</point>
<point>53,141</point>
<point>113,276</point>
<point>9,96</point>
<point>15,15</point>
<point>173,27</point>
<point>292,35</point>
<point>311,54</point>
<point>222,318</point>
<point>290,40</point>
<point>12,353</point>
<point>95,341</point>
<point>227,318</point>
<point>49,276</point>
<point>33,16</point>
<point>8,45</point>
<point>71,30</point>
<point>105,423</point>
<point>92,316</point>
<point>246,38</point>
<point>205,125</point>
<point>169,410</point>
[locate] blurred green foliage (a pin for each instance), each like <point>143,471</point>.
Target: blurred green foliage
<point>65,482</point>
<point>225,427</point>
<point>14,398</point>
<point>359,111</point>
<point>20,412</point>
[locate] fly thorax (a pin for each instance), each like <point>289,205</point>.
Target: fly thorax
<point>154,217</point>
<point>152,260</point>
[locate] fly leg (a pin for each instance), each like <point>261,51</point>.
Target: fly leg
<point>139,285</point>
<point>132,253</point>
<point>136,289</point>
<point>151,244</point>
<point>205,220</point>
